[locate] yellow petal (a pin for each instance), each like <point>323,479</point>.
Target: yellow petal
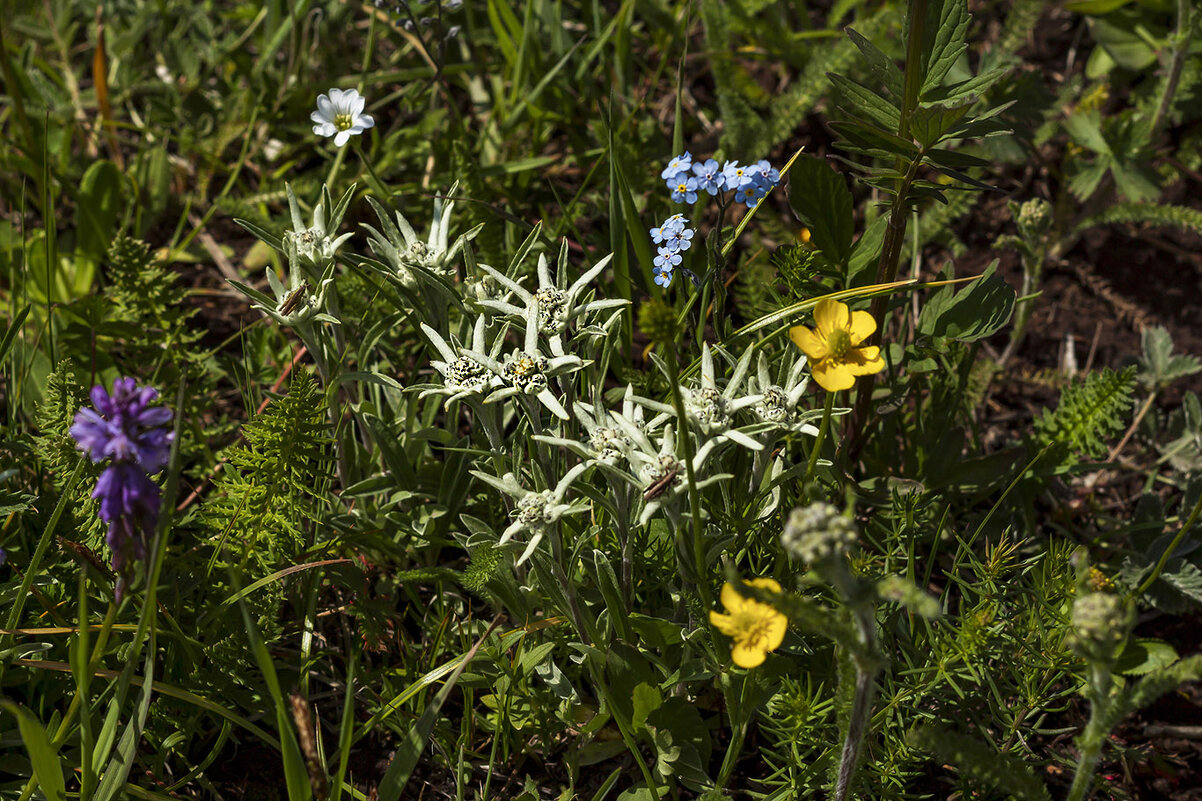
<point>810,343</point>
<point>833,376</point>
<point>862,326</point>
<point>747,656</point>
<point>831,315</point>
<point>776,631</point>
<point>731,598</point>
<point>723,623</point>
<point>865,361</point>
<point>765,584</point>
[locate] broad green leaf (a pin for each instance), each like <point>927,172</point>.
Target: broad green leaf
<point>101,200</point>
<point>886,72</point>
<point>1144,656</point>
<point>975,312</point>
<point>943,41</point>
<point>822,200</point>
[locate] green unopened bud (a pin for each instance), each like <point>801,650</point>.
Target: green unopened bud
<point>1100,625</point>
<point>1034,218</point>
<point>658,321</point>
<point>816,532</point>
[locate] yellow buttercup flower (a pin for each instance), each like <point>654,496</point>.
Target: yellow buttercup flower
<point>834,350</point>
<point>756,628</point>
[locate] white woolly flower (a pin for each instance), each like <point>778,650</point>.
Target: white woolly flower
<point>555,305</point>
<point>408,255</point>
<point>340,114</point>
<point>462,375</point>
<point>779,404</point>
<point>316,244</point>
<point>534,512</point>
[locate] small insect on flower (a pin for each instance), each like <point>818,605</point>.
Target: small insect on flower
<point>756,628</point>
<point>291,303</point>
<point>836,356</point>
<point>662,484</point>
<point>340,115</point>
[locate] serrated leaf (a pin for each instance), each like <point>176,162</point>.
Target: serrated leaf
<point>943,41</point>
<point>890,77</point>
<point>861,101</point>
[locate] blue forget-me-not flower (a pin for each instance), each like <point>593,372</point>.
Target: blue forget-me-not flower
<point>709,176</point>
<point>677,165</point>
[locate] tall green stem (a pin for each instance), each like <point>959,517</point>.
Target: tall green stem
<point>823,426</point>
<point>1094,736</point>
<point>895,231</point>
<point>685,445</point>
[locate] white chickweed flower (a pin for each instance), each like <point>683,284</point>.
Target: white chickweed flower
<point>340,114</point>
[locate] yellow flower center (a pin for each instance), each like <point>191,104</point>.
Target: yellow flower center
<point>839,343</point>
<point>343,122</point>
<point>752,627</point>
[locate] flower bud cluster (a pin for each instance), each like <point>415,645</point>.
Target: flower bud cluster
<point>1100,624</point>
<point>817,532</point>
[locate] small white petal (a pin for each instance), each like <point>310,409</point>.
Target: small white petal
<point>325,107</point>
<point>336,97</point>
<point>325,129</point>
<point>355,105</point>
<point>365,120</point>
<point>342,138</point>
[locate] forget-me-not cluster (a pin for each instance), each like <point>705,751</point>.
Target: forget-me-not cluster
<point>686,180</point>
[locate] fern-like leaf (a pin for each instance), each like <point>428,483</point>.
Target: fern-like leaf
<point>1160,214</point>
<point>1089,413</point>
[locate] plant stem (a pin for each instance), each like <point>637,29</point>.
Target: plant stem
<point>685,445</point>
<point>895,231</point>
<point>1093,737</point>
<point>1180,48</point>
<point>826,423</point>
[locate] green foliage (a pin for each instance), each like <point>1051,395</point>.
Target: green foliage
<point>985,765</point>
<point>269,496</point>
<point>1160,214</point>
<point>1089,413</point>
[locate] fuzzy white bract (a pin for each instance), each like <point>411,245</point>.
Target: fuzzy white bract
<point>340,114</point>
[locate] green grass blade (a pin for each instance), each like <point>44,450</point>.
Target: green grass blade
<point>401,768</point>
<point>42,755</point>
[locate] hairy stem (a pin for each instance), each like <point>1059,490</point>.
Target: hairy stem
<point>685,445</point>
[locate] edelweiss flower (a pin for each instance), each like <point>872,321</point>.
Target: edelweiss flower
<point>407,254</point>
<point>314,245</point>
<point>296,304</point>
<point>555,305</point>
<point>340,114</point>
<point>534,512</point>
<point>756,628</point>
<point>834,350</point>
<point>778,405</point>
<point>462,375</point>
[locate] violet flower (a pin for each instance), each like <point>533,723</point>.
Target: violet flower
<point>124,428</point>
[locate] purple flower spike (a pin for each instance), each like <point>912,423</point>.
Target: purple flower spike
<point>125,428</point>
